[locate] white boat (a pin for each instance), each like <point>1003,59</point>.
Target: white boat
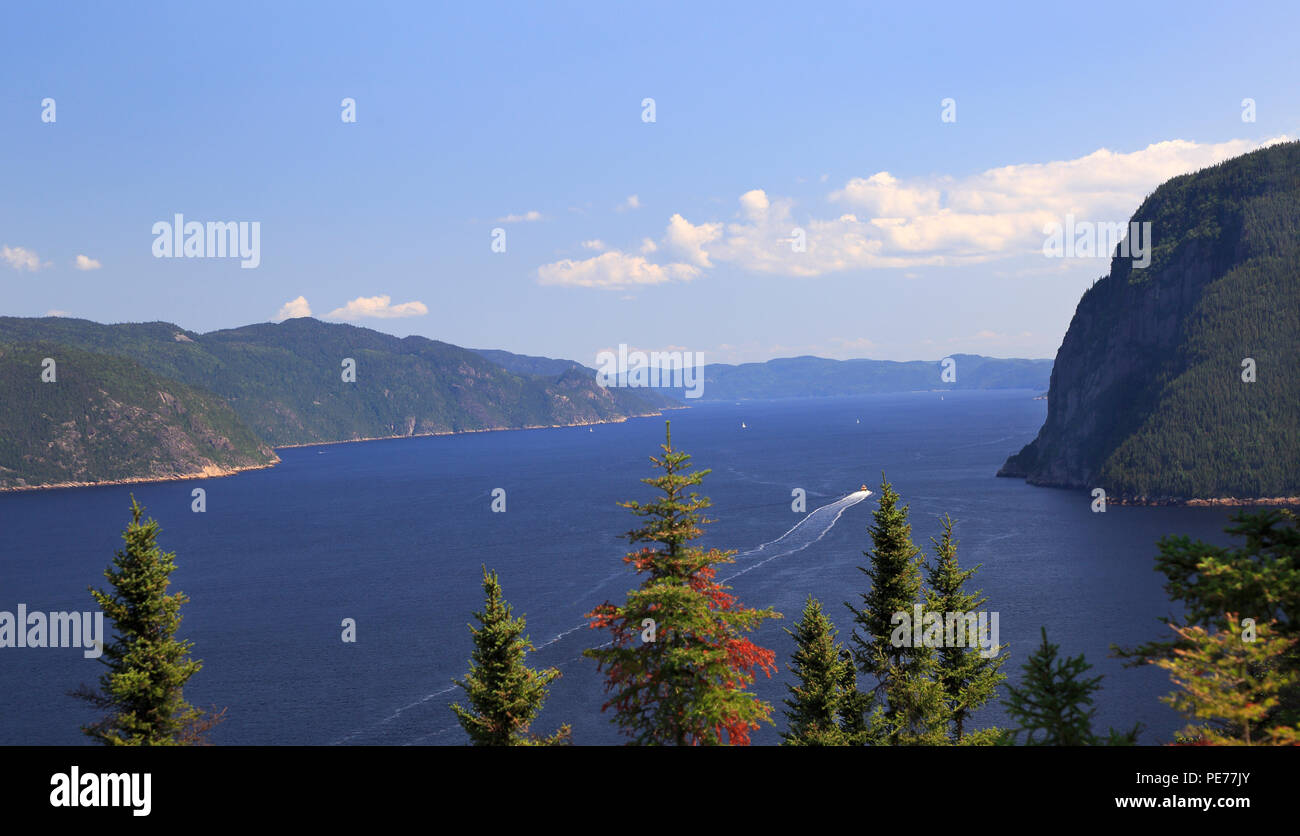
<point>742,426</point>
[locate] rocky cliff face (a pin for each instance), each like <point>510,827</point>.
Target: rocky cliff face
<point>1147,397</point>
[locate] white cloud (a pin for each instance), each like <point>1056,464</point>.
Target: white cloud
<point>614,269</point>
<point>883,196</point>
<point>688,240</point>
<point>376,307</point>
<point>57,312</point>
<point>754,204</point>
<point>87,263</point>
<point>527,217</point>
<point>20,258</point>
<point>930,221</point>
<point>632,202</point>
<point>293,309</point>
<point>594,244</point>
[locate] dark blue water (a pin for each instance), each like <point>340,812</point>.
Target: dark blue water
<point>392,534</point>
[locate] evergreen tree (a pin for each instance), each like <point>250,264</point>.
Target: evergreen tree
<point>148,667</point>
<point>969,678</point>
<point>911,710</point>
<point>678,664</point>
<point>906,704</point>
<point>1053,704</point>
<point>504,694</point>
<point>826,678</point>
<point>895,574</point>
<point>1259,578</point>
<point>1230,684</point>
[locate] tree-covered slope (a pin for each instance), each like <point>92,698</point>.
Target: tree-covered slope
<point>105,418</point>
<point>285,380</point>
<point>1147,397</point>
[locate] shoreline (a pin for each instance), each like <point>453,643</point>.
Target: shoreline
<point>215,472</point>
<point>1222,501</point>
<point>212,472</point>
<point>622,420</point>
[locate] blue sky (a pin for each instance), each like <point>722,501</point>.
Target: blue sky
<point>924,237</point>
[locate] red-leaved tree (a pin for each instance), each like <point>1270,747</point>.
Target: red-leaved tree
<point>679,665</point>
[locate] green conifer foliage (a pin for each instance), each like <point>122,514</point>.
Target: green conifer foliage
<point>1053,704</point>
<point>906,705</point>
<point>969,679</point>
<point>504,694</point>
<point>826,679</point>
<point>148,667</point>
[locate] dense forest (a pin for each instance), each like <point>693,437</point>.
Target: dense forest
<point>1178,381</point>
<point>223,398</point>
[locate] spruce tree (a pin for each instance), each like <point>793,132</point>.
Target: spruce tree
<point>969,678</point>
<point>905,706</point>
<point>504,694</point>
<point>148,667</point>
<point>1053,704</point>
<point>895,575</point>
<point>1230,684</point>
<point>678,663</point>
<point>826,678</point>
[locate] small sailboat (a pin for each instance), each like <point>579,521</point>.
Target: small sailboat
<point>742,426</point>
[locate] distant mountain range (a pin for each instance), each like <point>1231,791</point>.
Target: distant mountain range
<point>802,377</point>
<point>153,401</point>
<point>806,377</point>
<point>1181,381</point>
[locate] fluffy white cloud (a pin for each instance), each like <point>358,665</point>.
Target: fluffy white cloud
<point>632,202</point>
<point>614,269</point>
<point>20,258</point>
<point>594,244</point>
<point>527,217</point>
<point>293,309</point>
<point>883,196</point>
<point>87,263</point>
<point>754,204</point>
<point>922,221</point>
<point>688,241</point>
<point>375,307</point>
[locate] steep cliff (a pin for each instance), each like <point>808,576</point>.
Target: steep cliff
<point>1149,398</point>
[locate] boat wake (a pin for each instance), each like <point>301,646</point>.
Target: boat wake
<point>805,533</point>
